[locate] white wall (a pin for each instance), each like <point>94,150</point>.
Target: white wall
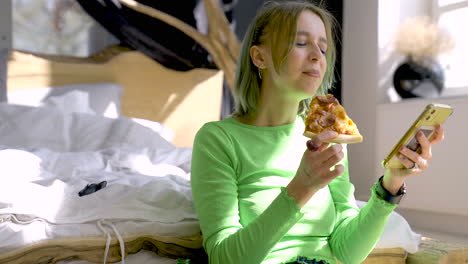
<point>368,65</point>
<point>359,82</point>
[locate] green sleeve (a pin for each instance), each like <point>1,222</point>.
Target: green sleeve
<point>214,190</point>
<point>356,231</point>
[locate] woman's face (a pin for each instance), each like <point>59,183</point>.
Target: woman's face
<point>306,64</point>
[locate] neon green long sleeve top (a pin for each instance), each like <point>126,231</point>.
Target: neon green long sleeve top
<point>238,176</point>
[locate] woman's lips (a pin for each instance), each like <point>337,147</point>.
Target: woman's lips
<point>315,74</point>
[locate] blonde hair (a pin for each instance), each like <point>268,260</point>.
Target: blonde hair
<point>277,21</point>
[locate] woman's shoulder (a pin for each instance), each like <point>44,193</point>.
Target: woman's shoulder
<point>215,129</point>
<point>217,125</point>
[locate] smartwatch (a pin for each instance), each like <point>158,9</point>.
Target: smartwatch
<point>386,195</point>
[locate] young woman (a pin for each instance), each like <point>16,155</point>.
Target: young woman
<point>263,192</point>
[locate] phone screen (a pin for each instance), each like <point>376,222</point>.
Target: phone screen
<point>414,144</point>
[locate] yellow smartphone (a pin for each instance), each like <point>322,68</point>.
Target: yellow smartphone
<point>432,115</point>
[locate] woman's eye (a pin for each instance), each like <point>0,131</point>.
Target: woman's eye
<point>304,44</point>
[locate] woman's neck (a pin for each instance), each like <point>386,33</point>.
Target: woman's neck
<point>275,116</point>
<point>272,111</point>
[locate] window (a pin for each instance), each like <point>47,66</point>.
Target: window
<point>453,16</point>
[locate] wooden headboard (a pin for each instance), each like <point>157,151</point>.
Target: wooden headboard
<point>183,101</point>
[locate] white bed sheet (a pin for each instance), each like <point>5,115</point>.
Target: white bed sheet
<point>46,165</point>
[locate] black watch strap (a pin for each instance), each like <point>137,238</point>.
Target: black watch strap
<point>386,195</point>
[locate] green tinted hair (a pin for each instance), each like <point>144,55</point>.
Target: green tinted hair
<point>274,23</point>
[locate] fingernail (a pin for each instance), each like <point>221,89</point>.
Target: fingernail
<point>311,145</point>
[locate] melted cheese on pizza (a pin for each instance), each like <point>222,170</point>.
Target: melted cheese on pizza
<point>326,113</point>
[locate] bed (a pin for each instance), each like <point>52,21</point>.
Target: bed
<point>79,141</point>
<point>104,175</point>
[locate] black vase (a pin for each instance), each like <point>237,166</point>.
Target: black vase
<point>419,78</point>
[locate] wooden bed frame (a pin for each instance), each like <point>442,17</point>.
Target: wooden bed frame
<point>91,249</point>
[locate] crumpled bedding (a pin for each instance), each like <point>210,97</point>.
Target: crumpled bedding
<point>48,156</point>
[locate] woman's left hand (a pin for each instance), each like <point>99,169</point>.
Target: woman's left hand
<point>414,162</point>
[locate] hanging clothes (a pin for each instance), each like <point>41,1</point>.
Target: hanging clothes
<point>154,38</point>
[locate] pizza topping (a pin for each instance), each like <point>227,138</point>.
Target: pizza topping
<point>314,126</point>
<point>326,113</point>
<point>325,99</point>
<point>328,119</point>
<point>329,107</point>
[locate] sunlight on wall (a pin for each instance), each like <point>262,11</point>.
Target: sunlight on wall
<point>389,18</point>
<point>456,60</point>
<point>449,2</point>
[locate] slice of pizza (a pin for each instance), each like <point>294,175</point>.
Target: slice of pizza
<point>326,113</point>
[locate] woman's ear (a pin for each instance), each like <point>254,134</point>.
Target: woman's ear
<point>258,57</point>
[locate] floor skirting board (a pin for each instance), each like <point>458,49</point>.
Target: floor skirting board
<point>443,226</point>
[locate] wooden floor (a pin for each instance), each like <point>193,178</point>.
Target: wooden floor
<point>452,238</point>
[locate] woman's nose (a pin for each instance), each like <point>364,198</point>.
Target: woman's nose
<point>315,52</point>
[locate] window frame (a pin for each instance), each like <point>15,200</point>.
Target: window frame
<point>437,11</point>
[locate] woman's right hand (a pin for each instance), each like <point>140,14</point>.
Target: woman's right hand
<point>316,168</point>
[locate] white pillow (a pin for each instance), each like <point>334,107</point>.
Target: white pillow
<point>27,127</point>
<point>397,233</point>
<point>157,127</point>
<point>72,102</point>
<point>104,98</point>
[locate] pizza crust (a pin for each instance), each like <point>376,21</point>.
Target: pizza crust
<point>340,139</point>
